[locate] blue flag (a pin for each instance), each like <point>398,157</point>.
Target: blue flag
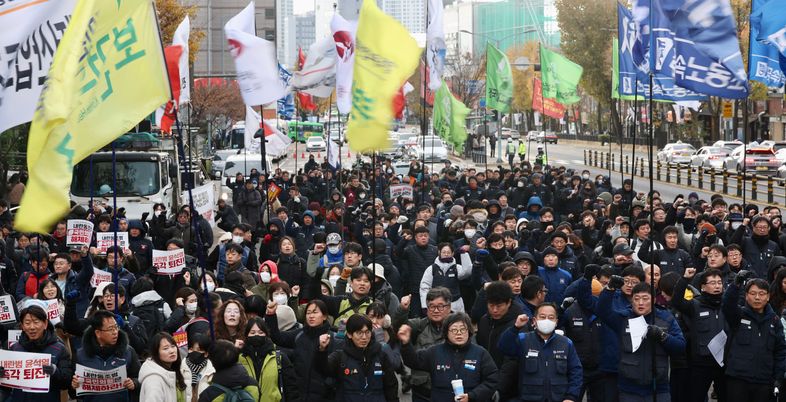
<point>694,42</point>
<point>768,42</point>
<point>634,78</point>
<point>286,105</point>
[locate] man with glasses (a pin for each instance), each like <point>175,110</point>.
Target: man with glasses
<point>756,349</point>
<point>663,338</point>
<point>757,248</point>
<point>736,263</point>
<point>105,347</point>
<point>425,333</point>
<point>705,319</point>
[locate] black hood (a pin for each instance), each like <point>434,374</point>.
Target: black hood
<point>41,344</point>
<point>90,344</point>
<point>233,377</point>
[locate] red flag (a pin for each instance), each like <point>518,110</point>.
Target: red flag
<point>172,56</point>
<point>400,100</point>
<point>306,101</point>
<point>553,108</point>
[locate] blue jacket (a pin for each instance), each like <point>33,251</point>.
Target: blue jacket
<point>81,283</point>
<point>121,354</point>
<point>532,216</point>
<point>674,344</point>
<point>557,280</point>
<point>61,358</point>
<point>539,380</point>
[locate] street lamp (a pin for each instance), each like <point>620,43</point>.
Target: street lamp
<point>528,29</point>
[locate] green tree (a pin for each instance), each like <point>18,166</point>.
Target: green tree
<point>170,14</point>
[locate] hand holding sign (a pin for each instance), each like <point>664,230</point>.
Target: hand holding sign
<point>170,262</point>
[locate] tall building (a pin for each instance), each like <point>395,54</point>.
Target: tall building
<point>515,22</point>
<point>458,20</point>
<point>410,13</point>
<point>305,27</point>
<point>214,58</point>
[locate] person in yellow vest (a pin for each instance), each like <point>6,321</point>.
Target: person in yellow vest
<point>272,371</point>
<point>510,152</point>
<point>541,158</point>
<point>522,151</point>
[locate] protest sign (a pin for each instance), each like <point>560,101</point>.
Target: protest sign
<point>79,232</point>
<point>92,381</point>
<point>203,202</point>
<point>53,311</point>
<point>104,240</point>
<point>169,262</point>
<point>24,371</point>
<point>13,336</point>
<point>181,338</point>
<point>400,190</point>
<point>99,277</point>
<point>7,309</point>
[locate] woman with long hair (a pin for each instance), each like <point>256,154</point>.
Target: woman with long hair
<point>160,375</point>
<point>230,322</point>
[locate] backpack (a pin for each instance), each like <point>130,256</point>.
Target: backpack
<point>152,316</point>
<point>235,394</point>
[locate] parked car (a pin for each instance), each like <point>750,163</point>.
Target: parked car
<point>509,133</point>
<point>775,145</point>
<point>676,152</point>
<point>434,150</point>
<point>709,157</point>
<point>757,159</point>
<point>549,137</point>
<point>315,143</point>
<point>731,145</point>
<point>532,135</point>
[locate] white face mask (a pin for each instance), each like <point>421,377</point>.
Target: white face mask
<point>211,286</point>
<point>469,233</point>
<point>237,239</point>
<point>280,299</point>
<point>334,249</point>
<point>191,308</point>
<point>735,225</point>
<point>585,176</point>
<point>265,277</point>
<point>384,226</point>
<point>521,184</point>
<point>333,279</point>
<point>546,327</point>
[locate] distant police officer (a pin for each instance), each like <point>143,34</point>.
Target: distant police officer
<point>756,350</point>
<point>548,365</point>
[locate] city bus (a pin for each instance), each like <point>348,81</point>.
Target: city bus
<point>301,130</point>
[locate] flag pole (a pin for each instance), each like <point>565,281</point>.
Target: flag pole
<point>543,108</point>
<point>424,118</point>
<point>635,129</point>
<point>650,197</point>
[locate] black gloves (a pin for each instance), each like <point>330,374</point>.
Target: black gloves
<point>656,332</point>
<point>591,270</point>
<point>566,303</point>
<point>616,282</point>
<point>49,369</point>
<point>742,277</point>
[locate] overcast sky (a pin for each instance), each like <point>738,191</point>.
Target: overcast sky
<point>303,6</point>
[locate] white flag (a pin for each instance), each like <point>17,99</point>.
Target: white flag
<point>253,124</point>
<point>318,75</point>
<point>29,34</point>
<point>255,60</point>
<point>180,38</point>
<point>333,154</point>
<point>276,142</point>
<point>435,44</point>
<point>344,37</point>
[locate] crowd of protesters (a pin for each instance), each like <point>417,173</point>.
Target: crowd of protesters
<point>536,283</point>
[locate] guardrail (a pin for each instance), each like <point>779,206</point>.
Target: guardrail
<point>763,188</point>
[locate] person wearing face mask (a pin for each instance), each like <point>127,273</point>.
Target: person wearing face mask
<point>217,258</point>
<point>705,319</point>
<point>196,368</point>
<point>271,369</point>
<point>186,306</point>
<point>447,272</point>
<point>457,358</point>
<point>662,337</point>
<point>757,248</point>
<point>490,254</point>
<point>547,362</point>
<point>268,274</point>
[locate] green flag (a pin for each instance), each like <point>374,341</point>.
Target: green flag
<point>560,77</point>
<point>499,80</point>
<point>615,69</point>
<point>449,118</point>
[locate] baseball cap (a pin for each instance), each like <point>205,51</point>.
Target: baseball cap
<point>622,249</point>
<point>333,239</point>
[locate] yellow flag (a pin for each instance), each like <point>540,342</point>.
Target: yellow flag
<point>385,55</point>
<point>107,75</point>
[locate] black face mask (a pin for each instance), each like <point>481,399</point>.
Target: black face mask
<point>545,225</point>
<point>196,357</point>
<point>446,260</point>
<point>256,341</point>
<point>688,224</point>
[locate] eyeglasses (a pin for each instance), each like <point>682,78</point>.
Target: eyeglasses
<point>632,282</point>
<point>362,334</point>
<point>762,227</point>
<point>458,331</point>
<point>761,294</point>
<point>438,307</point>
<point>714,283</point>
<point>113,328</point>
<point>544,290</point>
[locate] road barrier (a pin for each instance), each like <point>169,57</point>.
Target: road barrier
<point>731,182</point>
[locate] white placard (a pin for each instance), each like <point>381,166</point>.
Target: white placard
<point>400,190</point>
<point>7,309</point>
<point>92,381</point>
<point>25,371</point>
<point>99,277</point>
<point>13,336</point>
<point>79,232</point>
<point>104,240</point>
<point>169,262</point>
<point>204,202</point>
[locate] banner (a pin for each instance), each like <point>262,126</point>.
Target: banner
<point>180,38</point>
<point>13,337</point>
<point>25,371</point>
<point>29,33</point>
<point>107,76</point>
<point>768,42</point>
<point>92,381</point>
<point>53,311</point>
<point>100,277</point>
<point>7,313</point>
<point>400,190</point>
<point>553,108</point>
<point>251,143</point>
<point>450,118</point>
<point>560,77</point>
<point>435,43</point>
<point>344,34</point>
<point>317,76</point>
<point>79,232</point>
<point>273,191</point>
<point>104,240</point>
<point>630,81</point>
<point>386,56</point>
<point>285,107</point>
<point>304,99</point>
<point>255,60</point>
<point>203,202</point>
<point>499,80</point>
<point>170,262</point>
